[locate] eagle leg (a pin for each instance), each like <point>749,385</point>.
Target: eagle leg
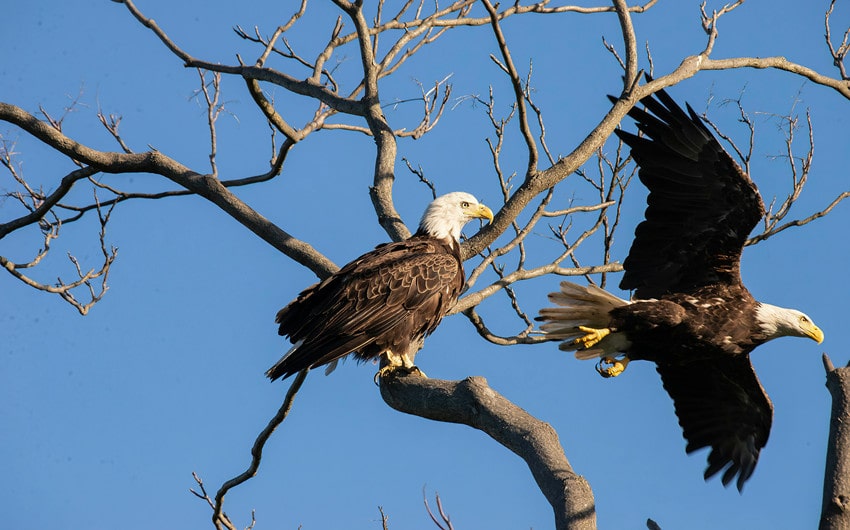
<point>617,366</point>
<point>592,337</point>
<point>397,364</point>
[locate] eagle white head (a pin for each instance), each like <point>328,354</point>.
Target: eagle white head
<point>781,322</point>
<point>447,214</point>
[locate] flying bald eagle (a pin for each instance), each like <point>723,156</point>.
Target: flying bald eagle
<point>384,303</point>
<point>689,314</point>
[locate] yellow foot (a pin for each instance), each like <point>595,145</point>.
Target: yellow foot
<point>592,338</point>
<point>615,368</point>
<point>393,370</point>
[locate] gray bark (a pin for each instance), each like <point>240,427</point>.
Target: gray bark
<point>835,511</point>
<point>472,402</point>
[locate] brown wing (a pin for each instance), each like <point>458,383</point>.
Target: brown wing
<point>700,209</point>
<point>721,404</point>
<point>365,300</point>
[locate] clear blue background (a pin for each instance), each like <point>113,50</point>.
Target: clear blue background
<point>105,417</point>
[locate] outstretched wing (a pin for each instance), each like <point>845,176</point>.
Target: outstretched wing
<point>701,205</point>
<point>721,404</point>
<point>367,299</point>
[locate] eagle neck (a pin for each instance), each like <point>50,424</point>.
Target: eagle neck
<point>446,239</point>
<point>774,321</point>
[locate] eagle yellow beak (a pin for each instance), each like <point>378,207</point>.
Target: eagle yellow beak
<point>480,211</point>
<point>814,333</point>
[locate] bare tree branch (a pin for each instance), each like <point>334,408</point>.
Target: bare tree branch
<point>156,163</point>
<point>631,78</point>
<point>444,517</point>
<point>47,203</point>
<point>835,510</point>
<point>224,521</point>
<point>219,517</point>
<point>384,519</point>
<point>519,91</point>
<point>211,92</point>
<point>50,231</point>
<point>778,63</point>
<point>839,53</point>
<point>799,222</point>
<point>472,402</point>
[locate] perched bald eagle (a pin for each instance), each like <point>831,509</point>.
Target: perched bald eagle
<point>384,303</point>
<point>689,314</point>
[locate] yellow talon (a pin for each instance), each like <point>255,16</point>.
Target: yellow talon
<point>617,366</point>
<point>392,369</point>
<point>592,338</point>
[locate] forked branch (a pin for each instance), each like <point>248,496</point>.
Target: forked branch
<point>839,53</point>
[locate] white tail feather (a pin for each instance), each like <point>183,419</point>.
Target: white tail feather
<point>586,306</point>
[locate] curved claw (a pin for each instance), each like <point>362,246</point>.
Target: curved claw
<point>392,370</point>
<point>615,368</point>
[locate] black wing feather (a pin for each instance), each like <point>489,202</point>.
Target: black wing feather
<point>721,404</point>
<point>700,209</point>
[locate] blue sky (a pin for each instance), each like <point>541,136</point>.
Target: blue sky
<point>106,416</point>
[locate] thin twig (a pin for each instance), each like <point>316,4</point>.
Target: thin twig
<point>257,449</point>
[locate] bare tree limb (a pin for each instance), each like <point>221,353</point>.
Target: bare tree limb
<point>50,231</point>
<point>631,68</point>
<point>835,510</point>
<point>842,86</point>
<point>839,53</point>
<point>121,196</point>
<point>519,91</point>
<point>384,519</point>
<point>223,521</point>
<point>472,402</point>
<point>444,517</point>
<point>219,516</point>
<point>49,201</point>
<point>156,163</point>
<point>799,222</point>
<point>211,92</point>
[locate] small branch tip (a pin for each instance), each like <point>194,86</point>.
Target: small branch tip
<point>827,363</point>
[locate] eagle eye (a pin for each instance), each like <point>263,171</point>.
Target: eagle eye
<point>804,320</point>
<point>464,204</point>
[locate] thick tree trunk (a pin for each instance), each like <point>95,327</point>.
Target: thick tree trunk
<point>835,511</point>
<point>472,402</point>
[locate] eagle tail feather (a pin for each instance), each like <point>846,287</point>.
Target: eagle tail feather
<point>279,368</point>
<point>578,306</point>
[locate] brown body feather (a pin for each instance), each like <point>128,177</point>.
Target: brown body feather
<point>387,299</point>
